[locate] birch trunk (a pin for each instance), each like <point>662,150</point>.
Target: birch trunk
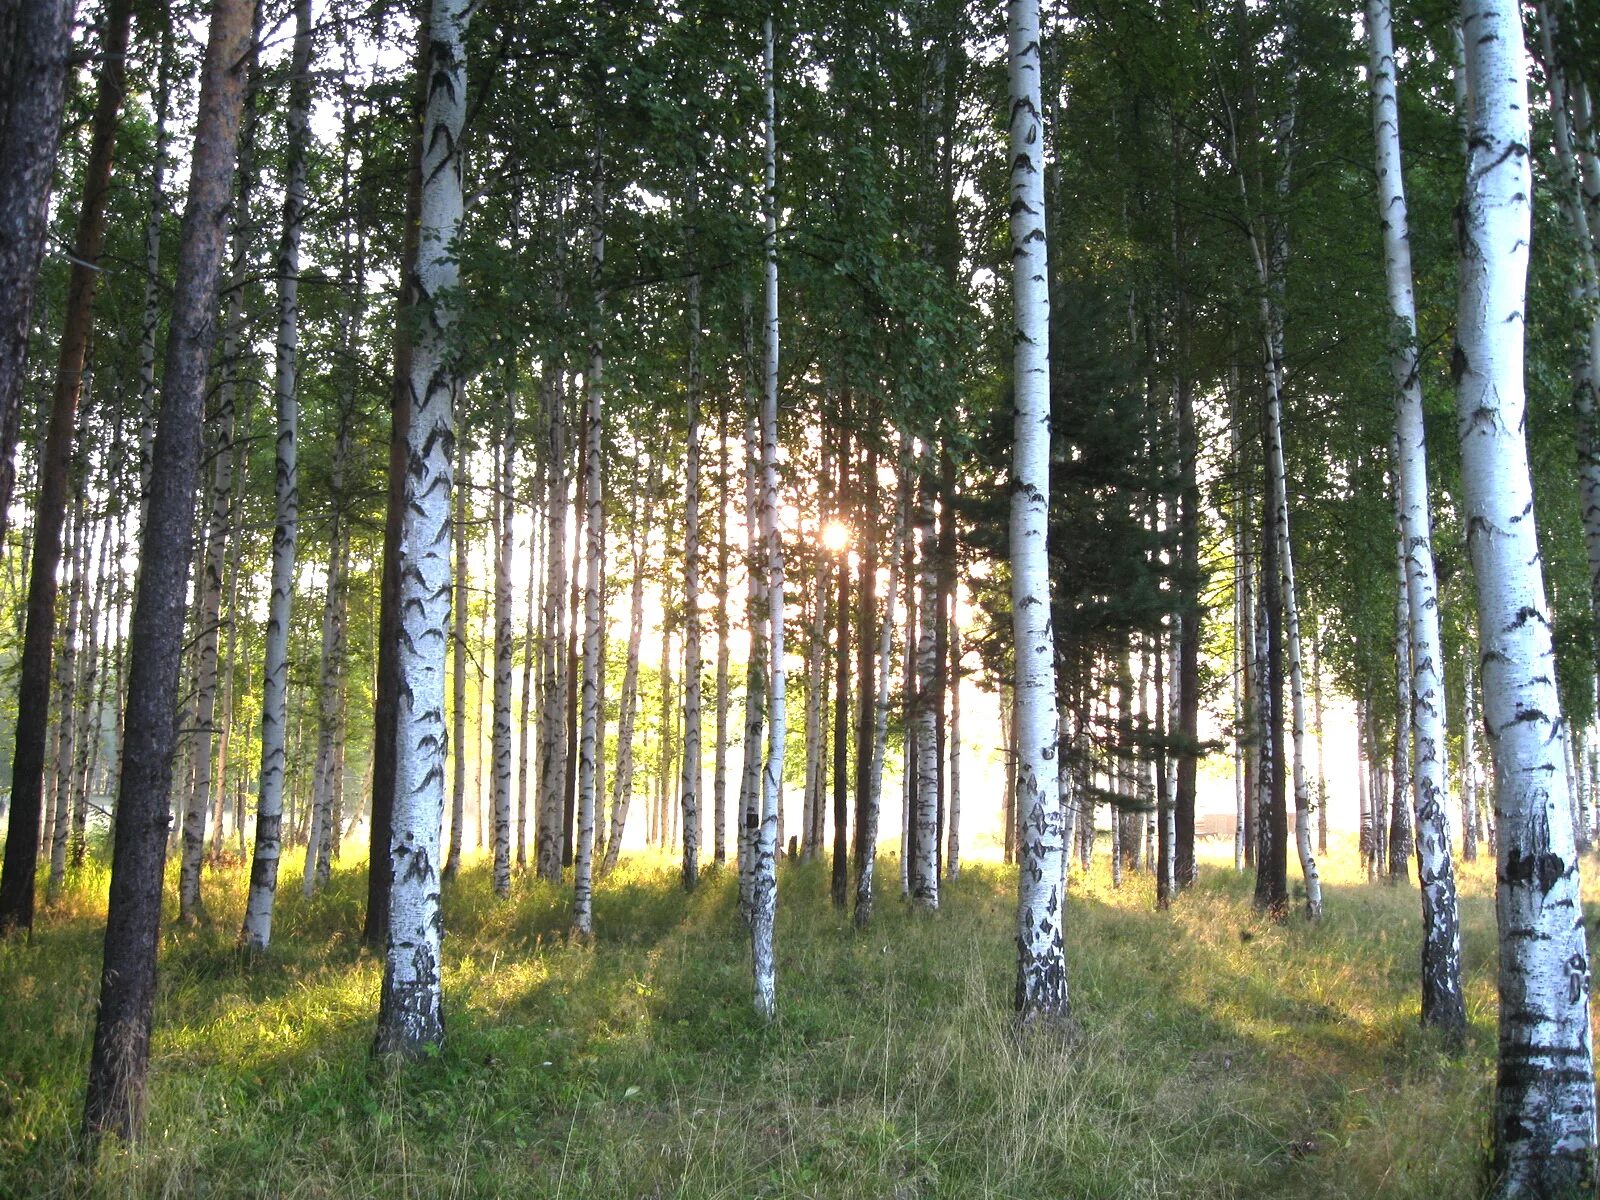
<point>388,681</point>
<point>622,777</point>
<point>1291,631</point>
<point>925,800</point>
<point>755,693</point>
<point>1041,992</point>
<point>218,528</point>
<point>719,781</point>
<point>1363,779</point>
<point>531,648</point>
<point>867,823</point>
<point>1443,1004</point>
<point>764,868</point>
<point>410,1013</point>
<point>1544,1112</point>
<point>592,729</point>
<point>257,931</point>
<point>553,759</point>
<point>331,692</point>
<point>88,739</point>
<point>952,858</point>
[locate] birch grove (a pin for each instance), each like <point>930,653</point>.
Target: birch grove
<point>858,499</point>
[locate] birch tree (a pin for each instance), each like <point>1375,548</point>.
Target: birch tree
<point>1544,1108</point>
<point>764,856</point>
<point>593,584</point>
<point>410,1013</point>
<point>867,824</point>
<point>257,932</point>
<point>1041,992</point>
<point>502,657</point>
<point>1443,1005</point>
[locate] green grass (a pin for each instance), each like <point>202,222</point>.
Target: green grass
<point>1218,1055</point>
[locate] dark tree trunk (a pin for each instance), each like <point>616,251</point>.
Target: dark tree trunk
<point>33,59</point>
<point>33,686</point>
<point>841,705</point>
<point>866,649</point>
<point>120,1058</point>
<point>1189,632</point>
<point>1272,888</point>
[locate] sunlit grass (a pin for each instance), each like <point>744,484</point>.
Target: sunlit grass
<point>1217,1054</point>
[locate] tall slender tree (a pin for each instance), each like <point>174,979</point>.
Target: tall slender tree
<point>1443,1004</point>
<point>1544,1108</point>
<point>410,1012</point>
<point>257,931</point>
<point>1041,992</point>
<point>120,1056</point>
<point>38,638</point>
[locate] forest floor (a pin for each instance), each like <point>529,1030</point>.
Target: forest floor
<point>1217,1054</point>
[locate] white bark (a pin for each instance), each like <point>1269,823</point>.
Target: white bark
<point>1544,1119</point>
<point>880,717</point>
<point>719,784</point>
<point>764,870</point>
<point>590,727</point>
<point>257,931</point>
<point>1041,991</point>
<point>952,855</point>
<point>553,758</point>
<point>755,693</point>
<point>531,643</point>
<point>1443,1004</point>
<point>622,777</point>
<point>218,522</point>
<point>1291,637</point>
<point>410,1013</point>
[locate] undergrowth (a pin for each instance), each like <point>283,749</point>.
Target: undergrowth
<point>1216,1054</point>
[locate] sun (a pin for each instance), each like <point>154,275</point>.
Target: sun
<point>835,536</point>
